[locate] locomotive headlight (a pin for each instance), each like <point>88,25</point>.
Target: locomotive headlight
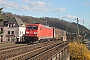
<point>27,32</point>
<point>35,32</point>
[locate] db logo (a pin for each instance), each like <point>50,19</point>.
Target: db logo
<point>31,32</point>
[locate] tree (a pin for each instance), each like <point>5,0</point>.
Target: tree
<point>1,15</point>
<point>78,51</point>
<point>1,18</point>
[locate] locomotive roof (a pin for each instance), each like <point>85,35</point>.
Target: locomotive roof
<point>47,26</point>
<point>41,24</point>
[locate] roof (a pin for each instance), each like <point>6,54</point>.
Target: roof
<point>17,21</point>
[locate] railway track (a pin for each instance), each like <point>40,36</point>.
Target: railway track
<point>12,46</point>
<point>48,52</point>
<point>11,52</point>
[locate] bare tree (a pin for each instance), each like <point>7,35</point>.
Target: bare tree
<point>1,15</point>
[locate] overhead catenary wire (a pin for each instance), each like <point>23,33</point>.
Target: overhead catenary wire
<point>50,8</point>
<point>53,10</point>
<point>58,14</point>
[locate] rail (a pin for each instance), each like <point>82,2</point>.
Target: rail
<point>43,52</point>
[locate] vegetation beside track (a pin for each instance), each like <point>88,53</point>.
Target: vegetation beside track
<point>78,51</point>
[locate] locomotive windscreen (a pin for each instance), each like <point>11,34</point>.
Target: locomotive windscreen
<point>32,27</point>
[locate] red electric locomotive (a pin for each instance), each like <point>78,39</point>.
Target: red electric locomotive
<point>37,32</point>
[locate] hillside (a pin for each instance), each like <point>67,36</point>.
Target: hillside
<point>54,22</point>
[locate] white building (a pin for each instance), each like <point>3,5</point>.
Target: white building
<point>12,30</point>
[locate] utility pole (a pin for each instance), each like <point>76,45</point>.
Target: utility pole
<point>77,29</point>
<point>46,22</point>
<point>83,22</point>
<point>83,34</point>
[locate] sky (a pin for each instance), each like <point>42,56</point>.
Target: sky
<point>68,10</point>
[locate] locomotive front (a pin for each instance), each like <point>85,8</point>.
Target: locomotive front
<point>31,33</point>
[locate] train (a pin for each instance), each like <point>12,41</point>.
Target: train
<point>40,32</point>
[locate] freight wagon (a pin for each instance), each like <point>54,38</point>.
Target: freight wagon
<point>59,34</point>
<point>39,32</point>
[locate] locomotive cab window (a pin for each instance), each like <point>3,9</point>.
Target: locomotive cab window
<point>35,27</point>
<point>32,27</point>
<point>29,27</point>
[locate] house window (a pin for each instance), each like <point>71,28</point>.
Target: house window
<point>12,25</point>
<point>8,39</point>
<point>20,32</point>
<point>1,35</point>
<point>12,32</point>
<point>1,29</point>
<point>8,32</point>
<point>1,39</point>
